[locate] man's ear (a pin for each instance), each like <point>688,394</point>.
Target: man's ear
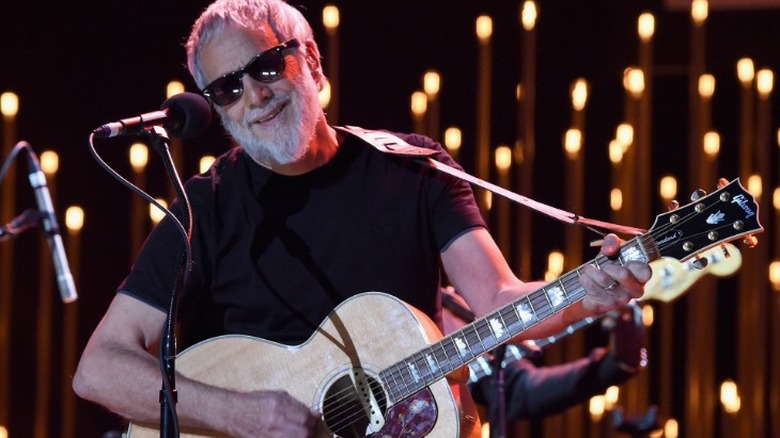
<point>312,56</point>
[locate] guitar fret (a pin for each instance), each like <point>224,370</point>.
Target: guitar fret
<point>396,389</point>
<point>498,328</point>
<point>473,341</point>
<point>515,326</point>
<point>433,371</point>
<point>525,312</point>
<point>450,352</point>
<point>540,305</point>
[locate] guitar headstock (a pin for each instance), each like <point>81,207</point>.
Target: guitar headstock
<point>724,215</point>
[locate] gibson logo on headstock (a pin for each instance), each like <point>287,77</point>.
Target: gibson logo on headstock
<point>743,203</point>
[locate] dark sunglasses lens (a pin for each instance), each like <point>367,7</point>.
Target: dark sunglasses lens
<point>225,90</point>
<point>266,67</point>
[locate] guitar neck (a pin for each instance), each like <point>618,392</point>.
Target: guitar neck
<point>470,342</point>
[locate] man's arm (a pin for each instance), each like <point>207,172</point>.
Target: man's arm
<point>117,371</point>
<point>479,272</point>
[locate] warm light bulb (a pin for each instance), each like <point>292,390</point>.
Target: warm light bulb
<point>699,11</point>
<point>555,263</point>
<point>503,158</point>
<point>755,185</point>
<point>484,28</point>
<point>729,396</point>
<point>611,396</point>
<point>205,163</point>
<point>616,199</point>
<point>615,151</point>
<point>745,71</point>
<point>173,88</point>
<point>330,17</point>
<point>634,81</point>
<point>50,162</point>
<point>648,316</point>
<point>668,188</point>
<point>579,94</point>
<point>596,407</point>
<point>624,133</point>
<point>419,104</point>
<point>155,214</point>
<point>324,95</point>
<point>765,80</point>
<point>774,273</point>
<point>711,144</point>
<point>431,83</point>
<point>572,142</point>
<point>74,219</point>
<point>646,26</point>
<point>529,14</point>
<point>139,156</point>
<point>9,104</point>
<point>671,428</point>
<point>706,86</point>
<point>452,139</point>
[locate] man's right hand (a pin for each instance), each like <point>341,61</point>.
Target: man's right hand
<point>272,414</point>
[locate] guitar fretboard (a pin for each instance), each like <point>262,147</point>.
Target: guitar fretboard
<point>423,368</point>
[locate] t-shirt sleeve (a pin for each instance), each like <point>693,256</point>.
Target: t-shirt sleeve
<point>160,260</point>
<point>151,276</point>
<point>454,210</point>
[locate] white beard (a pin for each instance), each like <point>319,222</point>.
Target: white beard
<point>287,140</point>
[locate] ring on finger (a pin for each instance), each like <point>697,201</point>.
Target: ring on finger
<point>611,286</point>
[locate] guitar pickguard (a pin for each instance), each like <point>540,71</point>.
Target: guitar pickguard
<point>412,418</point>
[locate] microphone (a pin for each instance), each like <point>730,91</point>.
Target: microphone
<point>51,229</point>
<point>184,115</point>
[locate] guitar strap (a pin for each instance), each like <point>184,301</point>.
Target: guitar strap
<point>391,144</point>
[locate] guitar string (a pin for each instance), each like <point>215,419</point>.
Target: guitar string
<point>397,370</point>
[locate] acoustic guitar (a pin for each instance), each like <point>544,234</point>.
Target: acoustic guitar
<point>376,366</point>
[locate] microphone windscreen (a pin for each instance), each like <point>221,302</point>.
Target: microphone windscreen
<point>189,114</point>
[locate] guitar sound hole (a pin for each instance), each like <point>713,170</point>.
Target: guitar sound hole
<point>347,407</point>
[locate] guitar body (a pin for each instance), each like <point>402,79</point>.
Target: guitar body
<point>369,332</point>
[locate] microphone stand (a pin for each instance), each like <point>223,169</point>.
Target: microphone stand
<point>160,141</point>
<point>500,408</point>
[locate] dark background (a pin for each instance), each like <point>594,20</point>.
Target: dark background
<point>77,65</point>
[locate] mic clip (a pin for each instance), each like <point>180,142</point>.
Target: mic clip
<point>21,223</point>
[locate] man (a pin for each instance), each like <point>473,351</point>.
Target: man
<point>291,223</point>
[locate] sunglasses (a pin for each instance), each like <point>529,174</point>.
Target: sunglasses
<point>265,67</point>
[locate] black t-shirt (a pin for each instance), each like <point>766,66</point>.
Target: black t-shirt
<point>273,255</point>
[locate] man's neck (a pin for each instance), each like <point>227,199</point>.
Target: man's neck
<point>322,147</point>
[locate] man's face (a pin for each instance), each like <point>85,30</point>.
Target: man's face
<point>274,121</point>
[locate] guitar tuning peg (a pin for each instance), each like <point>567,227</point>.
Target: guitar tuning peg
<point>722,182</point>
<point>698,194</point>
<point>751,241</point>
<point>673,205</point>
